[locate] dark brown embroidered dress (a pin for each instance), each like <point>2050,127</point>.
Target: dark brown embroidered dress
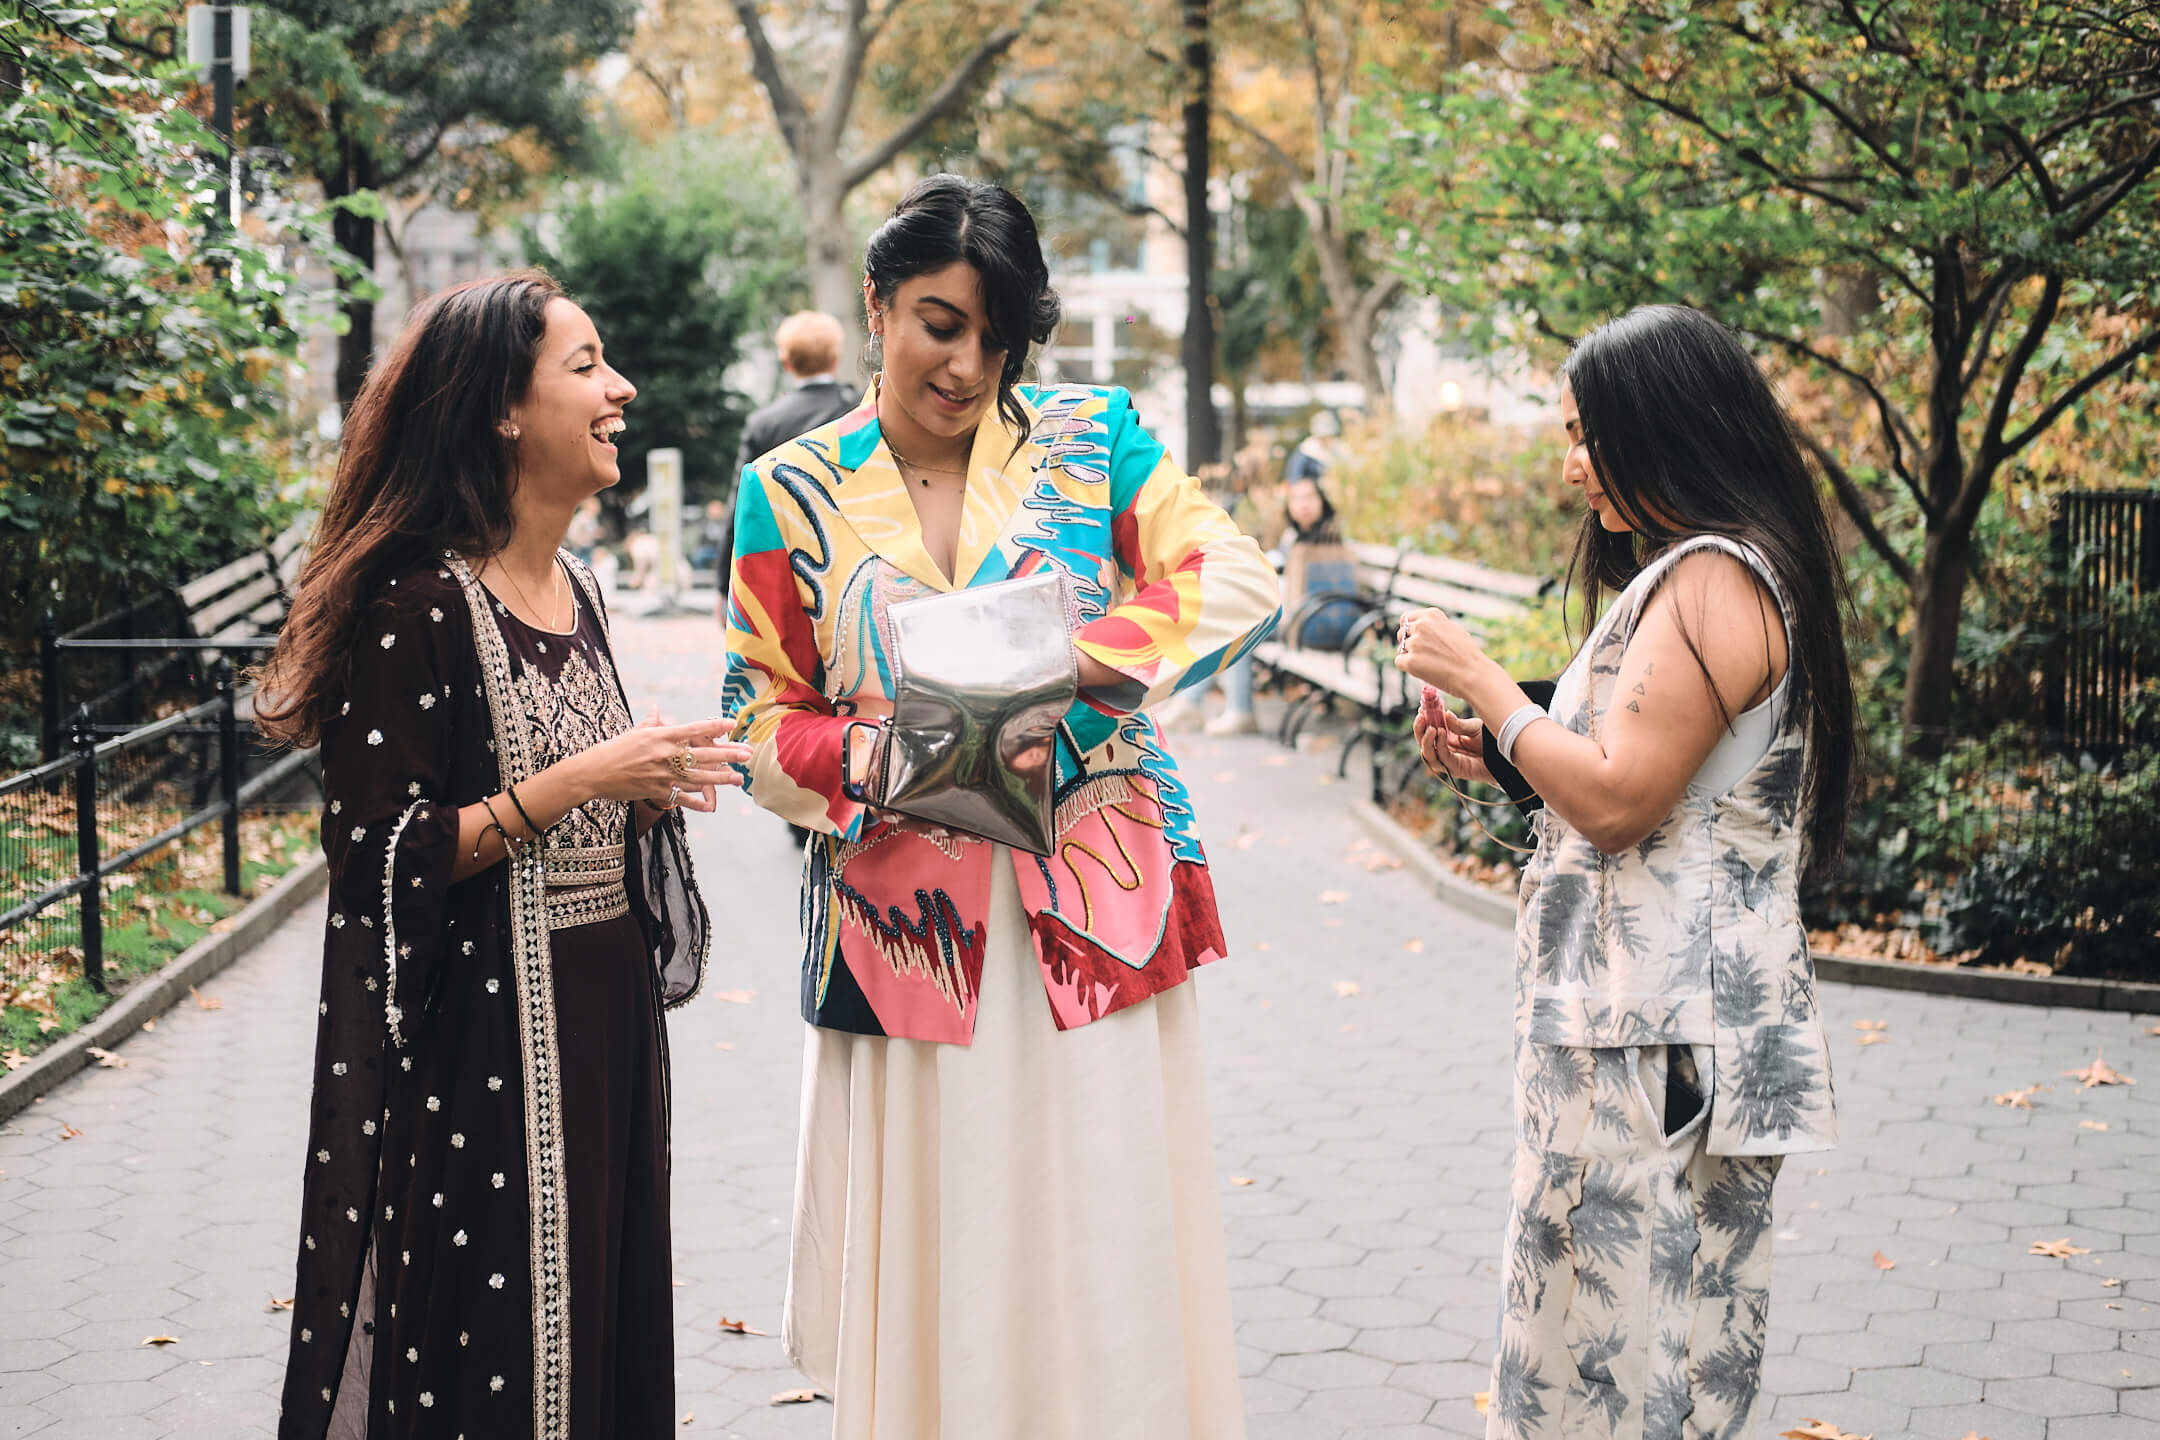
<point>484,1235</point>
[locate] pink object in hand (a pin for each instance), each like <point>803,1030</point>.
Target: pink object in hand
<point>1430,705</point>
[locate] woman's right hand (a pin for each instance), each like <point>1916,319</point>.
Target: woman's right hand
<point>1451,745</point>
<point>637,764</point>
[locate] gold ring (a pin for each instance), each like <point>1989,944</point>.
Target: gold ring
<point>683,761</point>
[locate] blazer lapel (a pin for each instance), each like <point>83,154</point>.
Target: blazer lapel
<point>873,497</point>
<point>999,479</point>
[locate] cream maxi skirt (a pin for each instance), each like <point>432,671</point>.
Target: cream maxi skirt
<point>1019,1237</point>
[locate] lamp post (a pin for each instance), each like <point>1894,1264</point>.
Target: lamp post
<point>218,49</point>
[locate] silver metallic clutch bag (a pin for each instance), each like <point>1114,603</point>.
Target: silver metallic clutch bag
<point>984,677</point>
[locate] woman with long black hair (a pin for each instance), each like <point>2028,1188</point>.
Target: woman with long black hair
<point>1006,1220</point>
<point>1694,762</point>
<point>484,1225</point>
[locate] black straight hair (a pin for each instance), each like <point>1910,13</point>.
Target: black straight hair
<point>945,219</point>
<point>1687,438</point>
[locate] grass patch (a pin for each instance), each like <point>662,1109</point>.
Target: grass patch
<point>151,915</point>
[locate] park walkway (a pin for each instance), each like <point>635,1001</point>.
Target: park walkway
<point>1357,1048</point>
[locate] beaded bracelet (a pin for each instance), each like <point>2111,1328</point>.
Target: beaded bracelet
<point>512,847</point>
<point>511,791</point>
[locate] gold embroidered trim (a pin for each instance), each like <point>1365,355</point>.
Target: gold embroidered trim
<point>568,909</point>
<point>532,966</point>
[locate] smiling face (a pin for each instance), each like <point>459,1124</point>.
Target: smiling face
<point>572,412</point>
<point>1577,470</point>
<point>941,366</point>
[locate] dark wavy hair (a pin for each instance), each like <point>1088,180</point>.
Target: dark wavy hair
<point>421,469</point>
<point>948,218</point>
<point>1688,438</point>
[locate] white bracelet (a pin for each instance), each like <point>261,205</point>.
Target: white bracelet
<point>1511,729</point>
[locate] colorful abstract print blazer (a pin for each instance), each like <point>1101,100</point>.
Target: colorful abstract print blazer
<point>1693,936</point>
<point>1167,592</point>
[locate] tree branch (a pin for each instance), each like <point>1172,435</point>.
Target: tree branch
<point>415,159</point>
<point>2140,170</point>
<point>1856,506</point>
<point>1748,153</point>
<point>2049,195</point>
<point>1897,428</point>
<point>1992,449</point>
<point>1267,142</point>
<point>787,106</point>
<point>942,99</point>
<point>839,96</point>
<point>1377,298</point>
<point>2003,286</point>
<point>2122,360</point>
<point>2092,117</point>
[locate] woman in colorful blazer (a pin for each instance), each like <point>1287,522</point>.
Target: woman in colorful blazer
<point>1005,1218</point>
<point>1693,764</point>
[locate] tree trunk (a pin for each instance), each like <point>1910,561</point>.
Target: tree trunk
<point>1203,445</point>
<point>1938,598</point>
<point>835,264</point>
<point>355,235</point>
<point>1354,326</point>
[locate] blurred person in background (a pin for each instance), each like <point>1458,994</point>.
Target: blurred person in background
<point>809,345</point>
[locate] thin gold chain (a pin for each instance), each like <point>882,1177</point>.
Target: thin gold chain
<point>547,621</point>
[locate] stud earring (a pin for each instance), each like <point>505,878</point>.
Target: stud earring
<point>512,432</point>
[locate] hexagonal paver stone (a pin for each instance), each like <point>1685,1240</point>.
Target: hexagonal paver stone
<point>2055,1336</point>
<point>1295,1336</point>
<point>1991,1360</point>
<point>2116,1369</point>
<point>1328,1370</point>
<point>2051,1396</point>
<point>1955,1422</point>
<point>1377,1405</point>
<point>2100,1427</point>
<point>1917,1385</point>
<point>31,1354</point>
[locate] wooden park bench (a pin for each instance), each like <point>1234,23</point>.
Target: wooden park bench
<point>1359,671</point>
<point>238,607</point>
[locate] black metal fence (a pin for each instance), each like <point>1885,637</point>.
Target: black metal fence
<point>78,825</point>
<point>2107,551</point>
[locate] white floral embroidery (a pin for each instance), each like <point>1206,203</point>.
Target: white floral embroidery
<point>374,737</point>
<point>346,708</point>
<point>413,789</point>
<point>427,1399</point>
<point>435,613</point>
<point>307,1336</point>
<point>458,1239</point>
<point>393,1013</point>
<point>338,1068</point>
<point>359,833</point>
<point>464,1337</point>
<point>310,1241</point>
<point>495,1282</point>
<point>322,1157</point>
<point>494,1082</point>
<point>337,922</point>
<point>337,807</point>
<point>412,1353</point>
<point>457,1141</point>
<point>427,700</point>
<point>493,986</point>
<point>352,1216</point>
<point>367,1127</point>
<point>434,1102</point>
<point>496,1179</point>
<point>466,948</point>
<point>438,1199</point>
<point>388,641</point>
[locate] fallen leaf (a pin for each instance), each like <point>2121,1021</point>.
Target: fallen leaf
<point>1874,1037</point>
<point>69,1132</point>
<point>2058,1249</point>
<point>2111,1305</point>
<point>1248,839</point>
<point>276,1304</point>
<point>149,1024</point>
<point>723,1045</point>
<point>1483,1400</point>
<point>1261,945</point>
<point>46,1025</point>
<point>1224,777</point>
<point>161,1340</point>
<point>1325,778</point>
<point>1811,1429</point>
<point>2018,1098</point>
<point>736,997</point>
<point>1346,988</point>
<point>2110,1283</point>
<point>688,1416</point>
<point>2092,1124</point>
<point>1415,947</point>
<point>1870,1025</point>
<point>205,1002</point>
<point>14,1059</point>
<point>1884,1262</point>
<point>1285,759</point>
<point>738,1327</point>
<point>106,1059</point>
<point>2099,1073</point>
<point>794,1397</point>
<point>1241,1179</point>
<point>1333,897</point>
<point>2154,1031</point>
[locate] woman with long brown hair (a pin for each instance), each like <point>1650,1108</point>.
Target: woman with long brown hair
<point>484,1233</point>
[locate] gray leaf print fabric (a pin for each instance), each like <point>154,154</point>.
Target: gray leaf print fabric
<point>1692,936</point>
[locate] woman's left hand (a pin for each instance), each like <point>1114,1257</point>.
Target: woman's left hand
<point>1432,646</point>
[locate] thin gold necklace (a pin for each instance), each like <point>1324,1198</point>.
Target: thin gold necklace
<point>933,469</point>
<point>547,621</point>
